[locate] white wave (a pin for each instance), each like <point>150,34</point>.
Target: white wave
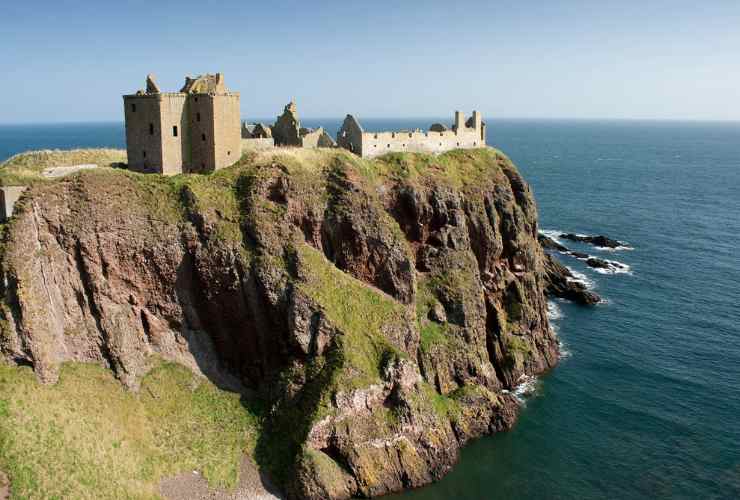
<point>553,235</point>
<point>616,268</point>
<point>525,387</point>
<point>608,159</point>
<point>564,351</point>
<point>554,312</point>
<point>581,278</point>
<point>623,246</point>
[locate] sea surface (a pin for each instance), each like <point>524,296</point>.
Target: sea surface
<point>646,401</point>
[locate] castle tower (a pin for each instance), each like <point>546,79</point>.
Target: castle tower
<point>459,121</point>
<point>477,120</point>
<point>195,130</point>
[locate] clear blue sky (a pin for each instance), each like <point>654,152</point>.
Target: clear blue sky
<point>71,60</point>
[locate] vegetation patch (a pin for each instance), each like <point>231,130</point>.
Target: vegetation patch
<point>26,168</point>
<point>87,437</point>
<point>358,310</point>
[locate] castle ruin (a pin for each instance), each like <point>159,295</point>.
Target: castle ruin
<point>462,135</point>
<point>199,130</point>
<point>195,130</point>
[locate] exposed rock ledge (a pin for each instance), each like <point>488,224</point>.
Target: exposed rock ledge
<point>380,310</point>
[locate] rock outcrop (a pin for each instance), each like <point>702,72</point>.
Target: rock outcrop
<point>379,311</point>
<point>598,241</point>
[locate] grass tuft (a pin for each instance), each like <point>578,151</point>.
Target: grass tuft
<point>88,437</point>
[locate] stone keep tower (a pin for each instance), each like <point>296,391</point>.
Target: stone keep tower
<point>195,130</point>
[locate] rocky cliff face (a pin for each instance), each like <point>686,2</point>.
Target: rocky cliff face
<point>377,312</point>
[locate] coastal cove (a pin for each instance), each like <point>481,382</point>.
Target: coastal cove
<point>642,402</point>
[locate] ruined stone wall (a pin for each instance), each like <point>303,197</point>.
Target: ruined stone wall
<point>143,132</point>
<point>227,130</point>
<point>350,135</point>
<point>317,139</point>
<point>257,143</point>
<point>376,144</point>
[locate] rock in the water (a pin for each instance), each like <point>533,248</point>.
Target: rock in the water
<point>597,263</point>
<point>609,265</point>
<point>599,241</point>
<point>579,255</point>
<point>550,244</point>
<point>561,283</point>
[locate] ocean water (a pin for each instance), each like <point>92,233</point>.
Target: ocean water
<point>646,402</point>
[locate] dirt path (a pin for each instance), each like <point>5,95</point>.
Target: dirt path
<point>4,486</point>
<point>192,486</point>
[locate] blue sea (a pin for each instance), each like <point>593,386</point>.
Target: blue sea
<point>646,402</point>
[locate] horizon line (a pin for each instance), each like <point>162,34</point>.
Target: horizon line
<point>429,117</point>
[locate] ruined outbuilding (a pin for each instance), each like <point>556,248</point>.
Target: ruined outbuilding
<point>439,138</point>
<point>287,131</point>
<point>194,130</point>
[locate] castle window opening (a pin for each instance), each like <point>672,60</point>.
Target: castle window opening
<point>143,154</point>
<point>389,145</point>
<point>174,130</point>
<point>228,153</point>
<point>475,143</point>
<point>133,108</point>
<point>197,117</point>
<point>151,129</point>
<point>203,136</point>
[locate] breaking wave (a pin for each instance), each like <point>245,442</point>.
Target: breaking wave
<point>564,351</point>
<point>579,277</point>
<point>553,235</point>
<point>526,387</point>
<point>616,268</point>
<point>554,312</point>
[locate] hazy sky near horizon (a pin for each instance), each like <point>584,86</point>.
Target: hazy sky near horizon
<point>71,60</point>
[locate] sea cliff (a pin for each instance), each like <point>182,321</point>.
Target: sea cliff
<point>373,315</point>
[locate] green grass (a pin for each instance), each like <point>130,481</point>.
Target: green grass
<point>359,311</point>
<point>25,168</point>
<point>87,437</point>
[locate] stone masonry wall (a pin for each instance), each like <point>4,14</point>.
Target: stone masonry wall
<point>376,144</point>
<point>227,129</point>
<point>202,145</point>
<point>175,134</point>
<point>143,132</point>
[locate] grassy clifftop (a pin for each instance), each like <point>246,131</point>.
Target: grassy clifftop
<point>26,168</point>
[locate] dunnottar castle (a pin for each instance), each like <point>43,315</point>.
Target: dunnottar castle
<point>199,130</point>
